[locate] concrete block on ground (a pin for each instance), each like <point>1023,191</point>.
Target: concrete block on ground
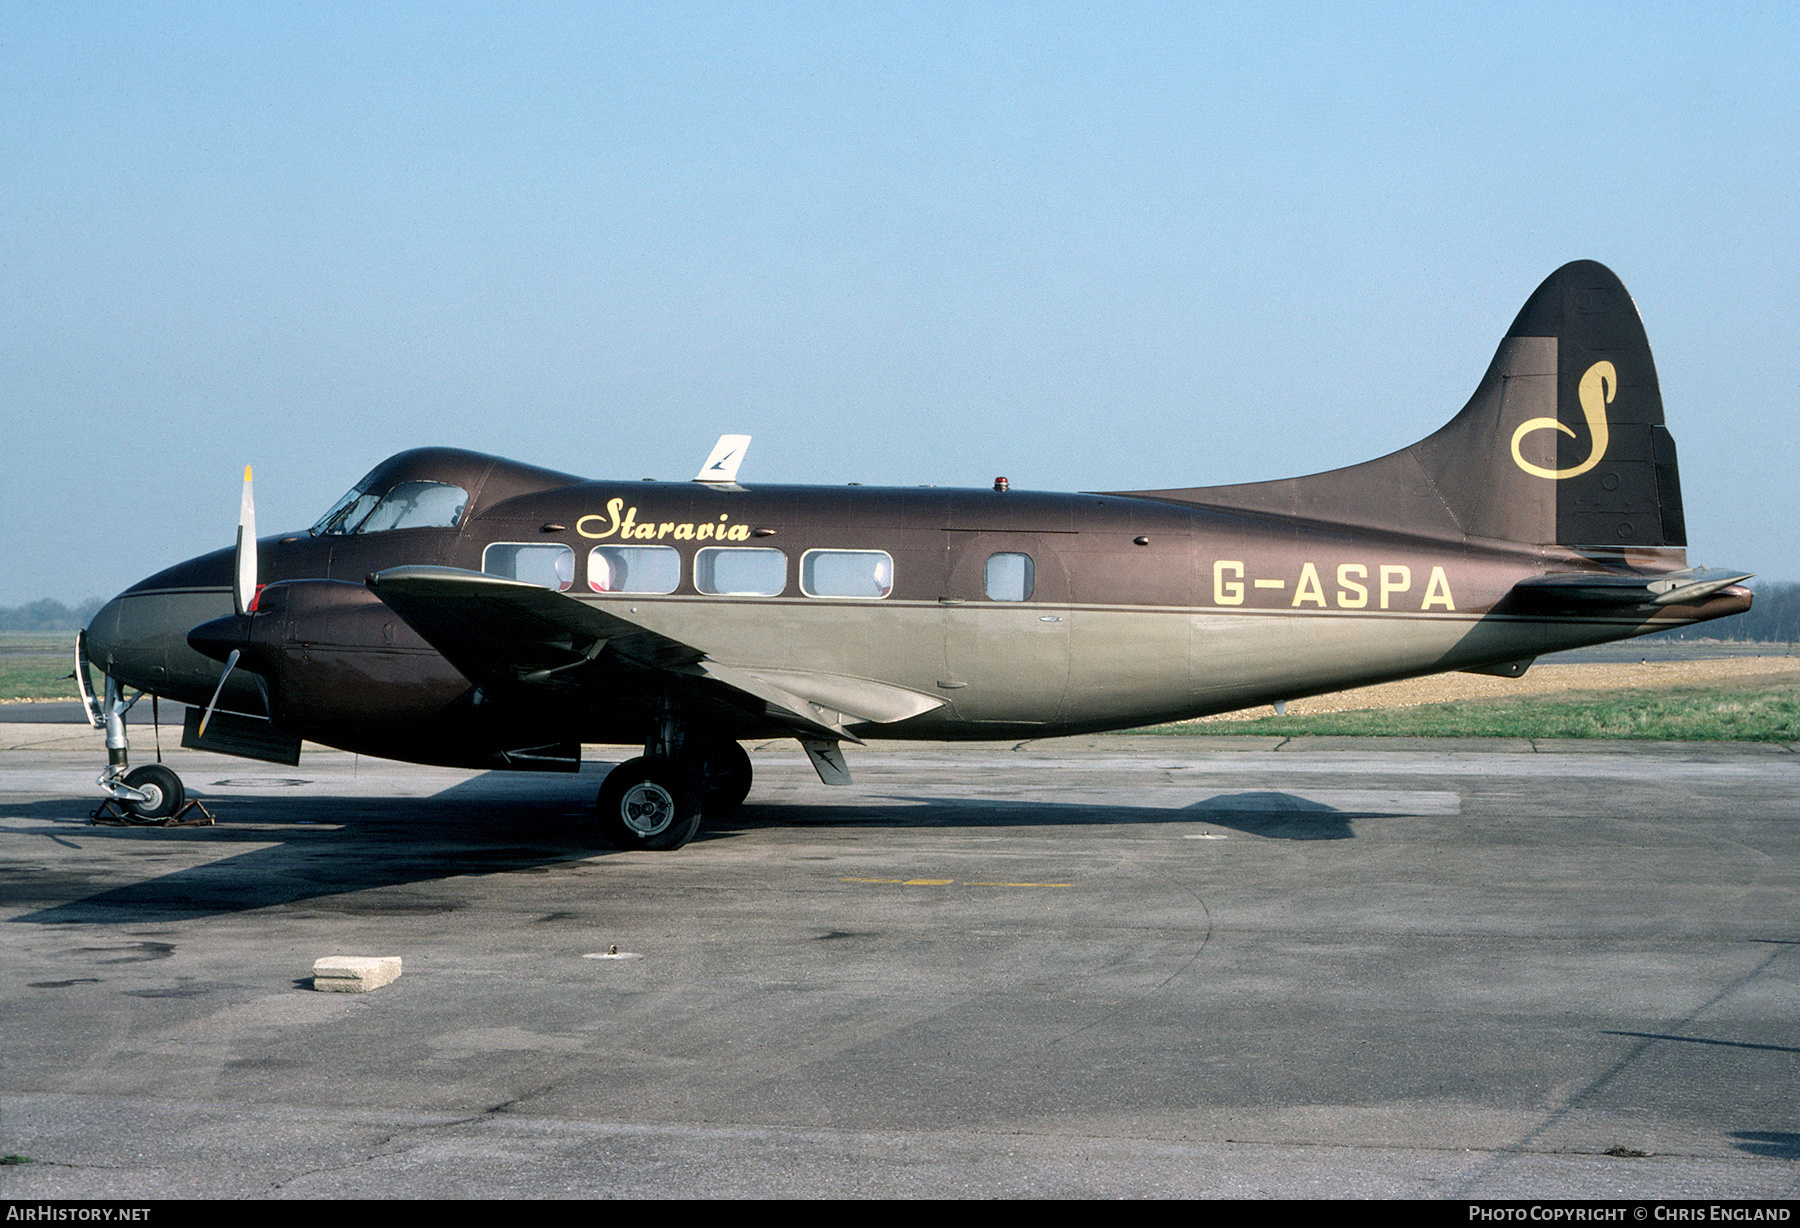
<point>354,973</point>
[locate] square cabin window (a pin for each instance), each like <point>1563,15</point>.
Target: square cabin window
<point>634,569</point>
<point>847,573</point>
<point>1009,577</point>
<point>742,572</point>
<point>545,563</point>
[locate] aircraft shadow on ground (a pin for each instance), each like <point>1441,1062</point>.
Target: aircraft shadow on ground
<point>1775,1144</point>
<point>299,848</point>
<point>1269,814</point>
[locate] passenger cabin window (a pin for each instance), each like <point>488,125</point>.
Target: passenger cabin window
<point>743,572</point>
<point>633,569</point>
<point>1009,577</point>
<point>541,563</point>
<point>847,573</point>
<point>409,505</point>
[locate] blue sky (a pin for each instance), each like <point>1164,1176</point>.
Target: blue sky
<point>1085,246</point>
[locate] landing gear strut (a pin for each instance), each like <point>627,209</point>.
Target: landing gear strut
<point>725,775</point>
<point>151,793</point>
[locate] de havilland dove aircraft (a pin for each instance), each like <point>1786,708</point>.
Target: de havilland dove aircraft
<point>463,610</point>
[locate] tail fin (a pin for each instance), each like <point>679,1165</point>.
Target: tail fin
<point>1563,442</point>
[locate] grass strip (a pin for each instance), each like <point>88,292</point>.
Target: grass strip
<point>1740,710</point>
<point>42,674</point>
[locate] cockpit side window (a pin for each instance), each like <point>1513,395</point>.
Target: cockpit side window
<point>409,505</point>
<point>345,514</point>
<point>417,505</point>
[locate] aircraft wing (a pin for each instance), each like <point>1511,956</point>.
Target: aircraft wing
<point>504,634</point>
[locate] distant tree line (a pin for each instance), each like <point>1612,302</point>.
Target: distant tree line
<point>48,615</point>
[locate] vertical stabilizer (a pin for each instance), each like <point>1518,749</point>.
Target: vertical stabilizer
<point>1563,442</point>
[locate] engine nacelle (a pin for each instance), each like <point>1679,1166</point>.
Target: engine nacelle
<point>334,661</point>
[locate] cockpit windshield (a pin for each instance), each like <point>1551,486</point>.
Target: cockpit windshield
<point>409,505</point>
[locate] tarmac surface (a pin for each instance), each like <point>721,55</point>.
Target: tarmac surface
<point>1145,966</point>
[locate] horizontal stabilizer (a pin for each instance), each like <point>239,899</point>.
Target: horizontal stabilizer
<point>1589,588</point>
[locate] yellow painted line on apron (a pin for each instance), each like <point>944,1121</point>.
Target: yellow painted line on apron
<point>946,882</point>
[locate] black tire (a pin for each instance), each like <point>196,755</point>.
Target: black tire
<point>725,776</point>
<point>650,804</point>
<point>166,795</point>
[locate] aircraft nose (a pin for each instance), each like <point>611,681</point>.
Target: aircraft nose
<point>105,646</point>
<point>140,636</point>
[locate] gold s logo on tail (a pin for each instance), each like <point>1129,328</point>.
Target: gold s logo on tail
<point>1599,384</point>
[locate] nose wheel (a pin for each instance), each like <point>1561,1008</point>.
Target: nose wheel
<point>151,795</point>
<point>162,794</point>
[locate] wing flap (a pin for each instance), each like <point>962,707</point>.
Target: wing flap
<point>814,719</point>
<point>860,699</point>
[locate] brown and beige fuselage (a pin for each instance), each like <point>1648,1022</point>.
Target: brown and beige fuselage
<point>1140,611</point>
<point>539,611</point>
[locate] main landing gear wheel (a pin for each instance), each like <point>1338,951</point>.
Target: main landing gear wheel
<point>724,776</point>
<point>650,804</point>
<point>162,788</point>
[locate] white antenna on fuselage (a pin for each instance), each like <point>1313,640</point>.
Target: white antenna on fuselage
<point>722,464</point>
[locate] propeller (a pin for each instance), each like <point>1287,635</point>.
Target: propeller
<point>243,586</point>
<point>243,591</point>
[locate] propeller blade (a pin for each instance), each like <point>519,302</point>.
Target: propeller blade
<point>243,590</point>
<point>218,690</point>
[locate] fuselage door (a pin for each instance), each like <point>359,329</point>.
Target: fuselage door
<point>1006,627</point>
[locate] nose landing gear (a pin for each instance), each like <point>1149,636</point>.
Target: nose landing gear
<point>150,794</point>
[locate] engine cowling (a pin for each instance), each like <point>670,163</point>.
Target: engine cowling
<point>334,662</point>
